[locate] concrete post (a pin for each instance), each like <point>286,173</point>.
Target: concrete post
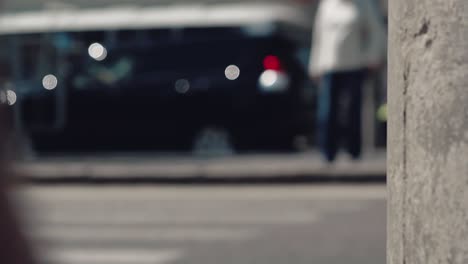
<point>428,132</point>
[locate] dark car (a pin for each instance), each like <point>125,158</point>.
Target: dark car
<point>167,86</point>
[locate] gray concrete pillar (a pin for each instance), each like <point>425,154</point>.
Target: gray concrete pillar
<point>428,132</point>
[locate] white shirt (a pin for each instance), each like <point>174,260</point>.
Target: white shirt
<point>348,35</point>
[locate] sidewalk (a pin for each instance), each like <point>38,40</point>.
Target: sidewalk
<point>136,168</point>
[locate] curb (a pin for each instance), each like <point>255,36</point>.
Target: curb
<point>232,170</point>
<point>297,178</point>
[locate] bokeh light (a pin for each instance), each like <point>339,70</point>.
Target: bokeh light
<point>232,72</point>
<point>11,97</point>
<point>268,78</point>
<point>49,82</point>
<point>274,81</point>
<point>182,86</point>
<point>97,51</point>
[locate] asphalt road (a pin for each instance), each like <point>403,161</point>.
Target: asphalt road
<point>206,225</point>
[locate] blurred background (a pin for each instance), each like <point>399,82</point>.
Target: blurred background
<point>182,131</point>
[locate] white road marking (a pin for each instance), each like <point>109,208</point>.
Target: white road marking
<point>220,193</point>
<point>106,256</point>
<point>125,217</point>
<point>142,235</point>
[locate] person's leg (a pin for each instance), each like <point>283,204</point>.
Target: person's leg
<point>354,80</point>
<point>342,107</point>
<point>327,116</point>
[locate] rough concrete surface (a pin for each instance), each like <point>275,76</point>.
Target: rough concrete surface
<point>428,132</point>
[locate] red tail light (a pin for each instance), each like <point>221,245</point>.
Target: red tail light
<point>272,62</point>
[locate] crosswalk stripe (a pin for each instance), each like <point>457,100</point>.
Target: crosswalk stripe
<point>140,194</point>
<point>142,235</point>
<point>117,218</point>
<point>106,256</point>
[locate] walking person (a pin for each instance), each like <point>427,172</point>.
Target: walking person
<point>348,43</point>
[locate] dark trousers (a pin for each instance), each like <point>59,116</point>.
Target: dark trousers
<point>339,112</point>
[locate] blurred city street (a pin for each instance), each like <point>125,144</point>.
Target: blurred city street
<point>197,224</point>
<point>200,132</point>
